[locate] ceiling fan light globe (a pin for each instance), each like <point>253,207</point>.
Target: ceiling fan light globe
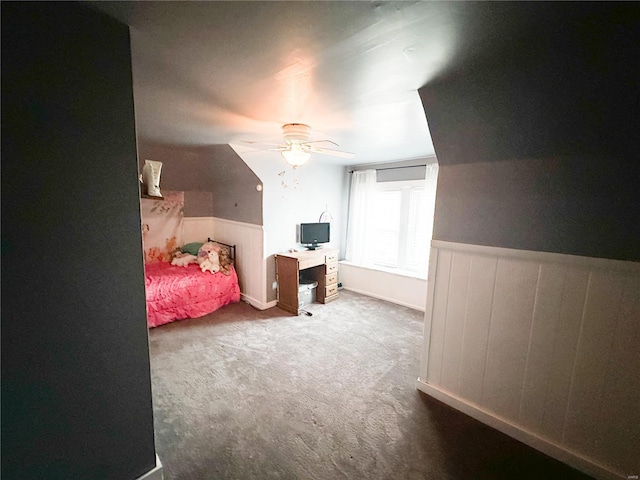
<point>295,158</point>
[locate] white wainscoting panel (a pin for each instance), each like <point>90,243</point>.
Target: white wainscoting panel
<point>543,346</point>
<point>250,259</point>
<point>401,289</point>
<point>482,274</point>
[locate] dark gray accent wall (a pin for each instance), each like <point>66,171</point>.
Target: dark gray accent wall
<point>215,169</point>
<point>198,204</point>
<point>538,141</point>
<point>76,387</point>
<point>551,205</point>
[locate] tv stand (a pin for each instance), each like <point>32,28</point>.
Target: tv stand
<point>319,265</point>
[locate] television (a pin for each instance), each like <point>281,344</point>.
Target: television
<point>313,234</point>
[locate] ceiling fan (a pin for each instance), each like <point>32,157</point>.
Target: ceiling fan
<point>297,148</point>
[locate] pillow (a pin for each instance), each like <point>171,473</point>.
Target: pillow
<point>191,248</point>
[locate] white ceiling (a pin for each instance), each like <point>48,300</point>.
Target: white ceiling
<point>225,72</point>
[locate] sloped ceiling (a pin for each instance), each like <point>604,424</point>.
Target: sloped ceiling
<point>224,72</point>
<point>565,88</point>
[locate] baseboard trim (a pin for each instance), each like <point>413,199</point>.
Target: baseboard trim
<point>515,431</point>
<point>256,303</point>
<point>155,473</point>
<point>380,297</point>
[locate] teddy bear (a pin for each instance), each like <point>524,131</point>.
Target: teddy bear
<point>208,258</point>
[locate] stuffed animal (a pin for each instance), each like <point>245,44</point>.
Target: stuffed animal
<point>224,256</point>
<point>210,263</point>
<point>183,259</point>
<point>208,257</point>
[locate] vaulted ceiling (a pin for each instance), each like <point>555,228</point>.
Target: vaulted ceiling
<point>225,72</point>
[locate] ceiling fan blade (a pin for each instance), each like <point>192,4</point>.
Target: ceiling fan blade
<point>254,150</point>
<point>264,144</point>
<point>333,153</point>
<point>322,141</point>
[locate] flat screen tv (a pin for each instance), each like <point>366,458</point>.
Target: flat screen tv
<point>314,234</point>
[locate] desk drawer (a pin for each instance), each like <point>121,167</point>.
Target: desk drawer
<point>330,290</point>
<point>331,278</point>
<point>331,268</point>
<point>331,257</point>
<point>329,299</point>
<point>305,263</point>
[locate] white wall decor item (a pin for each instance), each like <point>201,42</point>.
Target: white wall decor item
<point>151,177</point>
<point>326,216</point>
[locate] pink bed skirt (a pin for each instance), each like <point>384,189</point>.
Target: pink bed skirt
<point>177,293</point>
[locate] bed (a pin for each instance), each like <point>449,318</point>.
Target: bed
<point>181,292</point>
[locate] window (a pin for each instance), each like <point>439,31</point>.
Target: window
<point>385,231</point>
<point>399,223</point>
<point>399,231</point>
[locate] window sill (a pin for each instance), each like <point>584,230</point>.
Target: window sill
<point>392,271</point>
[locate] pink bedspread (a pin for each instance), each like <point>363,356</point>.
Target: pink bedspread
<point>176,293</point>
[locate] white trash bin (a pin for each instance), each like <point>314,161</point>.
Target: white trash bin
<point>306,292</point>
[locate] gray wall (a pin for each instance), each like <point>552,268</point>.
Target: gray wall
<point>538,141</point>
<point>198,204</point>
<point>215,179</point>
<point>76,387</point>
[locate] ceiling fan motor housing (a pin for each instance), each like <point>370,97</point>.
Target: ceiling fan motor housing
<point>296,133</point>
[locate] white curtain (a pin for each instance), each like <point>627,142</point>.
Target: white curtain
<point>431,182</point>
<point>359,248</point>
